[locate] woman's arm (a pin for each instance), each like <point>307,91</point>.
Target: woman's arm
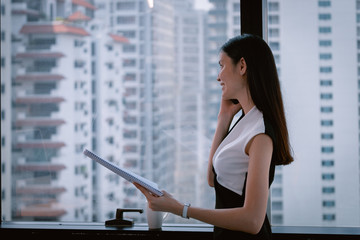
<point>227,112</point>
<point>248,218</point>
<point>222,128</point>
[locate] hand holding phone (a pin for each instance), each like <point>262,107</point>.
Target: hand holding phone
<point>229,107</point>
<point>234,101</point>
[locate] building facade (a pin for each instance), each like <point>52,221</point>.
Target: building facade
<point>317,60</point>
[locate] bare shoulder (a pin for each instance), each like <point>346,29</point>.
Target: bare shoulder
<point>261,143</point>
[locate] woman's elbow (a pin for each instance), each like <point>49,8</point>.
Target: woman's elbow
<point>211,182</point>
<point>255,226</point>
<point>210,179</point>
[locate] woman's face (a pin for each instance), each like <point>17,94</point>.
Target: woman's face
<point>231,77</point>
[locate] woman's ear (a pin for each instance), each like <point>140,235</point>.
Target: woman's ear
<point>242,67</point>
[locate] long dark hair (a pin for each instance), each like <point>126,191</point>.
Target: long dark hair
<point>264,87</point>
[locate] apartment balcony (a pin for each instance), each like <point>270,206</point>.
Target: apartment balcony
<point>53,28</point>
<point>78,17</point>
<point>39,167</point>
<point>21,8</point>
<point>33,122</point>
<point>40,144</point>
<point>84,3</point>
<point>39,201</point>
<point>44,77</point>
<point>38,99</point>
<point>39,55</point>
<point>41,210</point>
<point>218,12</point>
<point>44,189</point>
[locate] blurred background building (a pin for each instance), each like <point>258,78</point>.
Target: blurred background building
<point>135,81</point>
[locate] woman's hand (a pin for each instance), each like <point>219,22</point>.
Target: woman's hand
<point>165,203</point>
<point>228,108</point>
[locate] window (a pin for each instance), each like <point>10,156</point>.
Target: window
<point>325,43</point>
<point>325,56</point>
<point>127,33</point>
<point>273,6</point>
<point>126,20</point>
<point>326,109</point>
<point>237,20</point>
<point>273,32</point>
<point>325,83</point>
<point>273,19</point>
<point>328,190</point>
<point>327,136</point>
<point>328,176</point>
<point>325,16</point>
<point>324,3</point>
<point>129,48</point>
<point>327,163</point>
<point>136,115</point>
<point>120,6</point>
<point>324,29</point>
<point>326,96</point>
<point>326,69</point>
<point>274,46</point>
<point>327,149</point>
<point>328,203</point>
<point>236,7</point>
<point>319,144</point>
<point>329,217</point>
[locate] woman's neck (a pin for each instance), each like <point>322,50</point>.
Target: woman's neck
<point>246,103</point>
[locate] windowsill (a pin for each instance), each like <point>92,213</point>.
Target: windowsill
<point>169,231</point>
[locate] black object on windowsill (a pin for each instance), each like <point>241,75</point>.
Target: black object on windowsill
<point>119,221</point>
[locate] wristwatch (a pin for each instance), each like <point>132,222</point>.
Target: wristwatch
<point>185,210</point>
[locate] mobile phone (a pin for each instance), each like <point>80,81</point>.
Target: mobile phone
<point>234,101</point>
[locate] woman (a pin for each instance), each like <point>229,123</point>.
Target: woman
<point>242,161</point>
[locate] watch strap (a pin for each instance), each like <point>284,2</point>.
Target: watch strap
<point>185,210</point>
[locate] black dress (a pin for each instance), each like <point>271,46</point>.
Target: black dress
<point>226,198</point>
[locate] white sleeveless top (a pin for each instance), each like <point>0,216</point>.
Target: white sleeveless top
<point>230,160</point>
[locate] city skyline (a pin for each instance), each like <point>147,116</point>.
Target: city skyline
<point>137,85</point>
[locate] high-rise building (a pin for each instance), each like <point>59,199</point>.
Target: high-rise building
<point>191,156</point>
<point>49,96</point>
<point>107,125</point>
<point>316,51</point>
<point>147,117</point>
<point>223,22</point>
<point>51,81</point>
<point>137,83</point>
<point>6,110</point>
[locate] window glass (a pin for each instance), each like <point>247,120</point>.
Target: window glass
<point>317,42</point>
<point>132,84</point>
<point>127,81</point>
